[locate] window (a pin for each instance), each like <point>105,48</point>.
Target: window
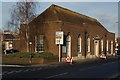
<point>68,45</point>
<point>40,43</point>
<point>79,44</point>
<point>107,45</point>
<point>88,40</point>
<point>102,45</point>
<point>63,49</point>
<point>111,47</point>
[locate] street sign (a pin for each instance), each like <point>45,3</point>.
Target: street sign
<point>59,37</point>
<point>59,41</point>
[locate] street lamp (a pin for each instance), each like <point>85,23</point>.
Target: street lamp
<point>30,43</point>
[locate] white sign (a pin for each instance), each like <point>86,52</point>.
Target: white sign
<point>59,37</point>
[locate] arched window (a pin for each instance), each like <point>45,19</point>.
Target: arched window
<point>111,47</point>
<point>107,46</point>
<point>102,45</point>
<point>68,45</point>
<point>79,44</point>
<point>88,41</point>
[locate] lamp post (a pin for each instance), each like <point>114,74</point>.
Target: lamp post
<point>30,52</point>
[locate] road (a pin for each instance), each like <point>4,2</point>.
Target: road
<point>95,69</point>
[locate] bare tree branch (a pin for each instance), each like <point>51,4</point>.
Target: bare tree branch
<point>23,13</point>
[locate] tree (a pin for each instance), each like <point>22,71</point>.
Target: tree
<point>23,13</point>
<point>8,26</point>
<point>1,31</point>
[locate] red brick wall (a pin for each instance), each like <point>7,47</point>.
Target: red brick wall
<point>51,21</point>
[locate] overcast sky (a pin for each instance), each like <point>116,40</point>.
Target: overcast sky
<point>105,12</point>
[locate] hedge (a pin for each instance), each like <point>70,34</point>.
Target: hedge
<point>47,55</point>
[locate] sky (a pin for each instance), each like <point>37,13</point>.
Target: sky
<point>105,12</point>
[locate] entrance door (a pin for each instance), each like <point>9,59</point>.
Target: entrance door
<point>68,45</point>
<point>96,47</point>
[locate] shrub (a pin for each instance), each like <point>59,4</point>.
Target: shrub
<point>43,55</point>
<point>18,55</point>
<point>47,55</point>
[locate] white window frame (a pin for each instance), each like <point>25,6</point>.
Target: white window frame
<point>40,43</point>
<point>107,46</point>
<point>102,45</point>
<point>79,44</point>
<point>111,47</point>
<point>68,45</point>
<point>88,41</point>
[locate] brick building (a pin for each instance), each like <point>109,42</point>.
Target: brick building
<point>83,35</point>
<point>7,40</point>
<point>118,42</point>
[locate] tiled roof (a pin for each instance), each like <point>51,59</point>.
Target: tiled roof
<point>57,13</point>
<point>63,14</point>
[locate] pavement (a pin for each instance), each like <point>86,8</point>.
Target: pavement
<point>54,64</point>
<point>117,77</point>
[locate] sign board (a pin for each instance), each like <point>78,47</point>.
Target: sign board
<point>59,37</point>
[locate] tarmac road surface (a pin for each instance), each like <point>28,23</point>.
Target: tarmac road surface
<point>101,69</point>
